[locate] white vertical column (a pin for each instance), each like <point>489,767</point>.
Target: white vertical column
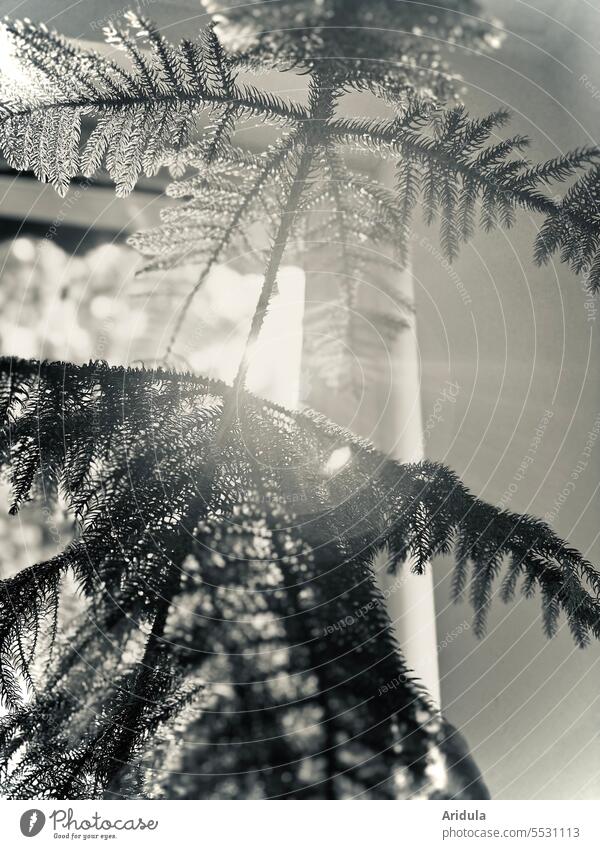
<point>389,414</point>
<point>400,435</point>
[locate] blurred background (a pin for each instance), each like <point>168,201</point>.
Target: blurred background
<point>518,345</point>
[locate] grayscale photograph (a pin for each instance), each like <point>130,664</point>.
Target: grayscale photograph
<point>300,419</point>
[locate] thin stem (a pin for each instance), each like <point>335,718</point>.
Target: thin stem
<point>240,98</point>
<point>321,98</point>
<point>271,165</point>
<point>391,136</point>
<point>288,217</point>
<point>147,665</point>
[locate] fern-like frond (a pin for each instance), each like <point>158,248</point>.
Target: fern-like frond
<point>347,217</point>
<point>451,164</point>
<point>224,511</point>
<point>573,230</point>
<point>387,48</point>
<point>143,114</point>
<point>426,505</point>
<point>448,163</point>
<point>269,540</point>
<point>222,539</point>
<point>222,201</point>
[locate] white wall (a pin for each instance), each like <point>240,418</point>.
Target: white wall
<point>528,707</point>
